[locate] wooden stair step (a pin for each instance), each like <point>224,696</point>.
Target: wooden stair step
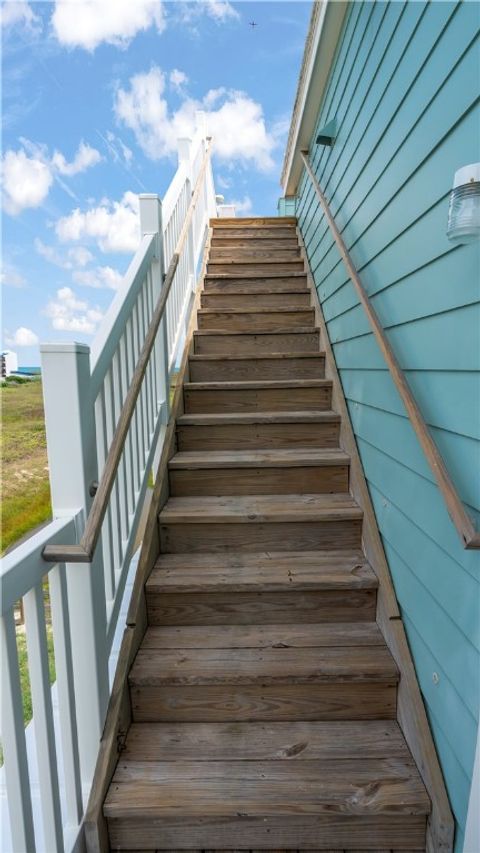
<point>256,319</point>
<point>255,222</point>
<point>249,472</point>
<point>264,572</point>
<point>263,636</point>
<point>239,430</point>
<point>276,587</point>
<point>253,283</point>
<point>288,341</point>
<point>304,365</point>
<point>265,395</point>
<point>249,254</point>
<point>255,266</point>
<point>274,522</point>
<point>256,239</point>
<point>258,787</point>
<point>278,682</point>
<point>267,741</point>
<point>262,666</point>
<point>270,298</point>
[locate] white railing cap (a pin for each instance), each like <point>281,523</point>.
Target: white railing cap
<point>73,346</point>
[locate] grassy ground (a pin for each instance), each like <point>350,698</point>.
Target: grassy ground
<point>25,487</point>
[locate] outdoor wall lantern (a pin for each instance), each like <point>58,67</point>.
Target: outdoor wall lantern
<point>464,210</point>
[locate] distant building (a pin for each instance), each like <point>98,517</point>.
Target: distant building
<point>8,363</point>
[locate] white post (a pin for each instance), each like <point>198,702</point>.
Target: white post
<point>185,156</point>
<point>72,456</point>
<point>151,223</point>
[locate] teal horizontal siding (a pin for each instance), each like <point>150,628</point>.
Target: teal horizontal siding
<point>404,91</point>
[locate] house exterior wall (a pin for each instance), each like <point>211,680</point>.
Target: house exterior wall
<point>404,90</point>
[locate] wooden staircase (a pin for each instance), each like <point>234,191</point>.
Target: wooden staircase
<point>263,695</point>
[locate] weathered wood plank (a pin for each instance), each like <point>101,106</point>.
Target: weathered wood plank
<point>270,608</point>
<point>255,284</point>
<point>257,636</point>
<point>263,320</point>
<point>229,301</point>
<point>265,395</point>
<point>222,703</point>
<point>247,343</point>
<point>370,833</point>
<point>248,368</point>
<point>288,741</point>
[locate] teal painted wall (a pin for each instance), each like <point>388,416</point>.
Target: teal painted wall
<point>404,90</point>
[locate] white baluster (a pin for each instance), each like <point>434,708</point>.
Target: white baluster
<point>70,424</point>
<point>14,745</point>
<point>38,670</point>
<point>151,223</point>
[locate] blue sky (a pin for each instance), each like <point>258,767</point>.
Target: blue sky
<point>95,93</point>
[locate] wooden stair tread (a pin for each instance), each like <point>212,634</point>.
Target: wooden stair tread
<point>268,571</point>
<point>309,457</point>
<point>276,356</point>
<point>252,274</point>
<point>266,741</point>
<point>259,508</point>
<point>207,311</point>
<point>252,221</point>
<point>223,788</point>
<point>211,418</point>
<point>258,384</point>
<point>298,330</point>
<point>264,665</point>
<point>312,635</point>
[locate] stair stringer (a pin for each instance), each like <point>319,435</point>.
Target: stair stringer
<point>411,714</point>
<point>119,715</point>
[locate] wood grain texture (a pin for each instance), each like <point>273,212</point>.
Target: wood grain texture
<point>259,472</point>
<point>255,607</point>
<point>243,298</point>
<point>263,572</point>
<point>263,432</point>
<point>254,284</point>
<point>269,741</point>
<point>247,343</point>
<point>342,701</point>
<point>261,635</point>
<point>256,222</point>
<point>262,319</point>
<point>266,395</point>
<point>370,833</point>
<point>242,268</point>
<point>262,366</point>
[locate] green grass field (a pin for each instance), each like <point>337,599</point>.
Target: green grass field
<point>25,486</point>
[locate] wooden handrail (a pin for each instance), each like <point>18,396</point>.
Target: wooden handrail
<point>83,553</point>
<point>466,530</point>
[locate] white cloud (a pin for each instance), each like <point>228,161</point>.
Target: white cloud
<point>85,157</point>
<point>69,314</point>
<point>80,256</point>
<point>178,79</point>
<point>88,23</point>
<point>76,256</point>
<point>242,206</point>
<point>220,10</point>
<point>28,174</point>
<point>23,337</point>
<point>26,181</point>
<point>19,12</point>
<point>237,123</point>
<point>10,277</point>
<point>113,224</point>
<point>98,277</point>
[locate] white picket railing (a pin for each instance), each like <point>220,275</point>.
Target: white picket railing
<point>84,394</point>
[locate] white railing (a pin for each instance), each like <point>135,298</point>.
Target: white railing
<point>93,448</point>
